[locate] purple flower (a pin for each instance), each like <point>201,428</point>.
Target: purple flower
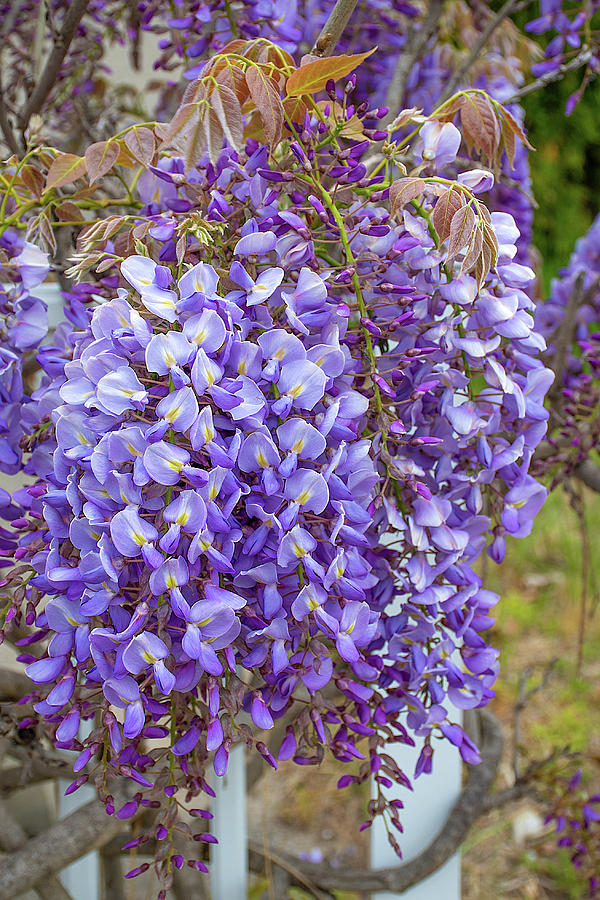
<point>144,650</point>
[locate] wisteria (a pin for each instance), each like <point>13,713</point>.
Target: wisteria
<point>296,400</point>
<point>573,38</point>
<point>569,321</point>
<point>226,441</point>
<point>575,817</point>
<point>24,325</point>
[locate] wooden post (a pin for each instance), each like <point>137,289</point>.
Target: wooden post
<point>229,858</point>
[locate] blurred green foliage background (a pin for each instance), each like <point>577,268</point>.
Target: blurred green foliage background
<point>565,168</point>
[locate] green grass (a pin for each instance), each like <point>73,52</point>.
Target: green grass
<point>561,872</point>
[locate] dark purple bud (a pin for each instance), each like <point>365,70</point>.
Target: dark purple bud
<point>75,785</point>
<point>345,276</point>
<point>133,873</point>
<point>345,780</point>
<point>371,327</point>
<point>205,837</point>
<point>269,175</point>
<point>134,842</point>
<point>421,441</point>
<point>376,135</point>
<point>196,864</point>
<point>266,754</point>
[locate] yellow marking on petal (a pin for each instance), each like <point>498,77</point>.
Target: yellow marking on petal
<point>299,551</point>
<point>72,622</point>
<point>208,435</point>
<point>139,538</point>
<point>303,498</point>
<point>313,604</point>
<point>279,354</point>
<point>171,583</point>
<point>169,358</point>
<point>200,337</point>
<point>242,367</point>
<point>175,465</point>
<point>296,391</point>
<point>148,657</point>
<point>133,450</point>
<point>297,447</point>
<point>182,518</point>
<point>82,439</point>
<point>261,460</point>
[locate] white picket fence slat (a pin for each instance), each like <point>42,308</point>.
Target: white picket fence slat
<point>425,811</point>
<point>229,858</point>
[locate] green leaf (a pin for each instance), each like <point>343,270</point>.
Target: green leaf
<point>314,75</point>
<point>65,169</point>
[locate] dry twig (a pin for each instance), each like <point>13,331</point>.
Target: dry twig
<point>490,28</point>
<point>47,79</point>
<point>416,42</point>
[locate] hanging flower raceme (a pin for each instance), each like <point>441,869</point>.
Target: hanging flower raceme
<point>24,325</point>
<point>269,460</point>
<point>569,321</point>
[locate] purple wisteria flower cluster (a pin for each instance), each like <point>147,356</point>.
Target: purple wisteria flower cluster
<point>572,27</point>
<point>274,438</point>
<point>23,325</point>
<point>569,321</point>
<point>267,462</point>
<point>575,815</point>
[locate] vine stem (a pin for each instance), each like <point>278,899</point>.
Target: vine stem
<point>333,28</point>
<point>355,281</point>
